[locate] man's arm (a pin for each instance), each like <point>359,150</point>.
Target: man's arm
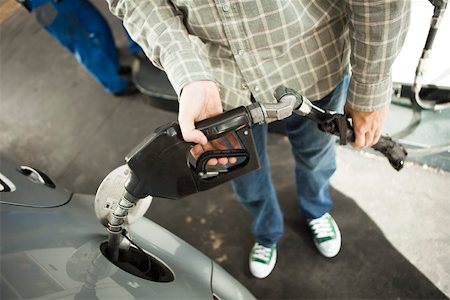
<point>157,26</point>
<point>377,31</point>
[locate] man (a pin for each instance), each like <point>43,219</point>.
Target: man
<point>79,26</point>
<point>233,52</point>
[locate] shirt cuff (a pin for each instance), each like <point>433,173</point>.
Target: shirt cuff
<point>184,67</point>
<point>369,97</point>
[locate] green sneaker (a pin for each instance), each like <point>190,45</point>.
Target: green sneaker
<point>262,260</point>
<point>326,235</point>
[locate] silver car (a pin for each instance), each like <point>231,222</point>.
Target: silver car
<point>53,247</point>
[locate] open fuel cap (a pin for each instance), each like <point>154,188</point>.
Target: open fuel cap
<point>108,196</point>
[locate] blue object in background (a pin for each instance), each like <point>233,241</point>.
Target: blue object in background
<point>80,27</point>
<point>132,45</point>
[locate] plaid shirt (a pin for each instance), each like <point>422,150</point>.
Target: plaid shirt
<point>250,47</point>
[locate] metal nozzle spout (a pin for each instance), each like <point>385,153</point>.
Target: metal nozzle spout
<point>115,227</point>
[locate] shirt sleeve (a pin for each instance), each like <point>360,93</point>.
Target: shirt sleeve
<point>157,26</point>
<point>377,30</point>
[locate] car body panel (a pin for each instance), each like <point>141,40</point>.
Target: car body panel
<point>226,287</point>
<point>24,188</point>
<point>44,259</point>
<point>54,253</point>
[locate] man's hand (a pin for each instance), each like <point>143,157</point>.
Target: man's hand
<point>198,101</point>
<point>367,126</point>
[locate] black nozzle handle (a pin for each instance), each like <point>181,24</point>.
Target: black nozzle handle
<point>394,152</point>
<point>224,123</point>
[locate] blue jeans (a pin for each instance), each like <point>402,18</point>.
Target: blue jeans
<point>315,162</point>
<point>80,27</point>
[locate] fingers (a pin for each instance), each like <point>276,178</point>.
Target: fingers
<point>360,139</point>
<point>228,142</point>
<point>377,136</point>
<point>232,160</point>
<point>199,100</point>
<point>198,149</point>
<point>366,138</point>
<point>372,137</point>
<point>190,134</point>
<point>218,144</point>
<point>368,141</point>
<point>367,126</point>
<point>232,139</point>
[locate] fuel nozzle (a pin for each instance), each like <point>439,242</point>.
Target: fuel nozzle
<point>130,199</point>
<point>115,225</point>
<point>116,208</point>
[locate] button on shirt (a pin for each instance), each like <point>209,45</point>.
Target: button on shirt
<point>305,45</point>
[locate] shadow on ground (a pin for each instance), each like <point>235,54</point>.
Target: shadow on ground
<point>367,267</point>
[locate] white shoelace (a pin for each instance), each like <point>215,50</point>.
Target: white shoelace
<point>322,227</point>
<point>262,253</point>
